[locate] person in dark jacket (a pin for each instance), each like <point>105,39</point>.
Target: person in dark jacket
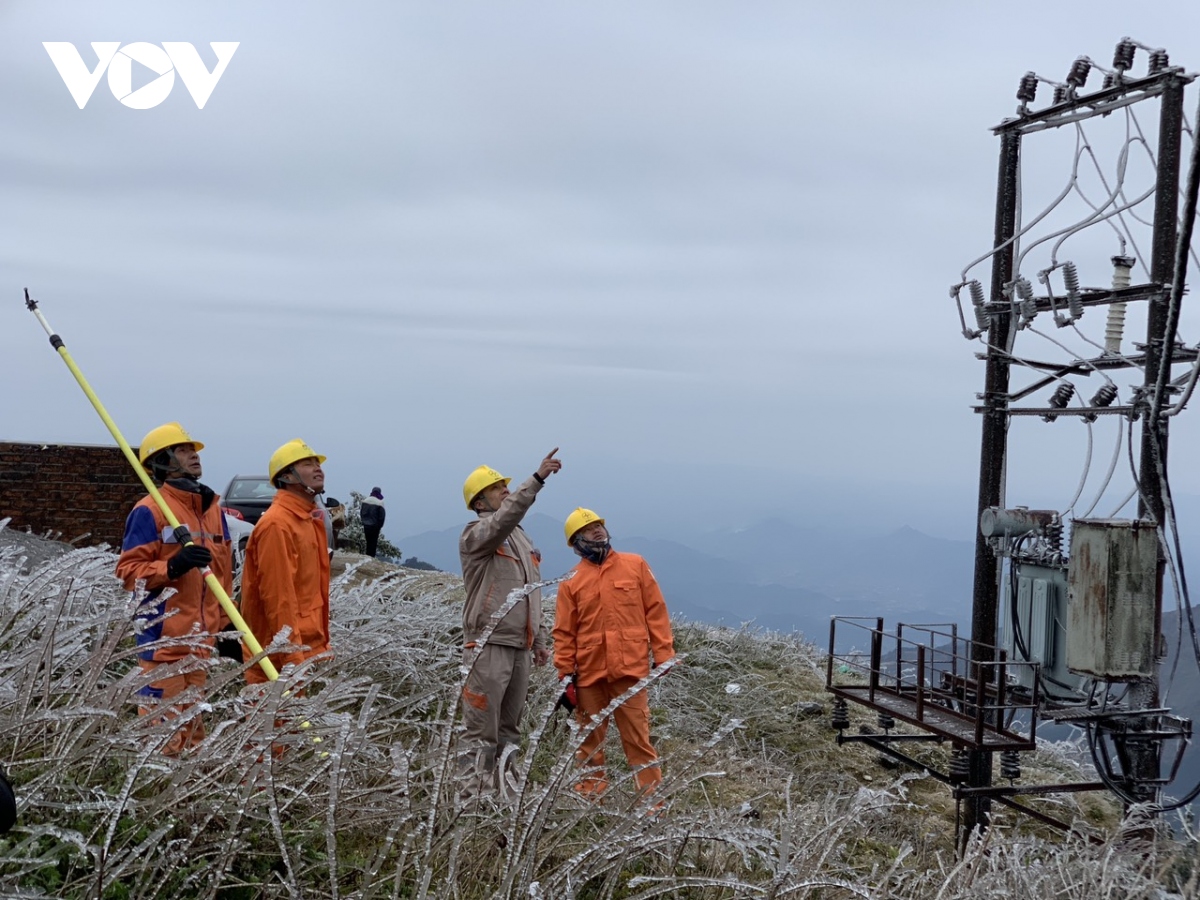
<point>372,514</point>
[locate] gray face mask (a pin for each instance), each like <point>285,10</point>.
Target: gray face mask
<point>593,551</point>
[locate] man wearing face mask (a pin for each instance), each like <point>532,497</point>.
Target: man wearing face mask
<point>285,579</point>
<point>611,617</point>
<point>498,557</point>
<point>151,553</point>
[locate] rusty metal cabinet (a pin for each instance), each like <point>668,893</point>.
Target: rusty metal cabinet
<point>1112,577</point>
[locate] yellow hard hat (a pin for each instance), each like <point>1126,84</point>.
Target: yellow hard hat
<point>163,437</point>
<point>577,520</point>
<point>479,481</point>
<point>291,452</point>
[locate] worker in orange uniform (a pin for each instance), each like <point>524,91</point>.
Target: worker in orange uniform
<point>611,618</point>
<point>285,579</point>
<point>498,557</point>
<point>180,626</point>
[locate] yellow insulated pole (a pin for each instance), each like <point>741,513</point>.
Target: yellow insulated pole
<point>181,531</point>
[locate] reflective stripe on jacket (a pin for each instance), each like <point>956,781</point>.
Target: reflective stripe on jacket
<point>147,546</point>
<point>285,579</point>
<point>610,618</point>
<point>497,557</point>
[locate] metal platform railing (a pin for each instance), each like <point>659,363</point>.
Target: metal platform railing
<point>929,677</point>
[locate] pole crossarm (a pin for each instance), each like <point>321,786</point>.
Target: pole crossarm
<point>1099,103</point>
<point>1090,298</point>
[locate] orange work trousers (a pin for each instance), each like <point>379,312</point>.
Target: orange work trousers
<point>190,733</point>
<point>633,724</point>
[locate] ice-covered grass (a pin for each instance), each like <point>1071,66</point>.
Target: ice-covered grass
<point>345,790</point>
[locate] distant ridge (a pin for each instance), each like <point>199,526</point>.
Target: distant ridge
<point>773,574</point>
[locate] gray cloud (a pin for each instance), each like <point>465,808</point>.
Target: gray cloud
<point>686,239</point>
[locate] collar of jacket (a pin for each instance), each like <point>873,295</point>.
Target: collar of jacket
<point>600,565</point>
<point>300,507</point>
<point>193,487</point>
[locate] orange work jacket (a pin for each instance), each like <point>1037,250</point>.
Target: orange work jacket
<point>145,549</point>
<point>609,619</point>
<point>285,580</point>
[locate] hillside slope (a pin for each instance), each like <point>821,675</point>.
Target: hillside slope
<point>343,791</point>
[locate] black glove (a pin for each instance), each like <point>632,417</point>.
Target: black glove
<point>193,556</point>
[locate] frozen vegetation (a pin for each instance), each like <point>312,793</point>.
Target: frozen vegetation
<point>359,803</point>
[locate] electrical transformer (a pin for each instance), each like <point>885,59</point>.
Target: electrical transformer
<point>1033,628</point>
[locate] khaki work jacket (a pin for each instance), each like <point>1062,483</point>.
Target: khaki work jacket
<point>610,618</point>
<point>496,557</point>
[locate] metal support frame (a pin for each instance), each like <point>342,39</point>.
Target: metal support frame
<point>1085,367</point>
<point>1040,816</point>
<point>1000,793</point>
<point>1141,751</point>
<point>945,691</point>
<point>993,444</point>
<point>1100,103</point>
<point>884,745</point>
<point>976,695</point>
<point>1145,753</point>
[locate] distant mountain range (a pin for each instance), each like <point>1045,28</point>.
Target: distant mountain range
<point>773,575</point>
<point>788,578</point>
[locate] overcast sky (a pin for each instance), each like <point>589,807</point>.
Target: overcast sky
<point>705,248</point>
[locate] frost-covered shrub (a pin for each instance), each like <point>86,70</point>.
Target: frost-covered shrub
<point>344,789</point>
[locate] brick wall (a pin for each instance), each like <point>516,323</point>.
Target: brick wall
<point>67,488</point>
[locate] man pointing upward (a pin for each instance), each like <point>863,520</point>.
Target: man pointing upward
<point>498,557</point>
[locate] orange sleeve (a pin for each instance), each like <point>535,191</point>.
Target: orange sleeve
<point>142,563</point>
<point>658,620</point>
<point>277,561</point>
<point>565,626</point>
<point>142,556</point>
